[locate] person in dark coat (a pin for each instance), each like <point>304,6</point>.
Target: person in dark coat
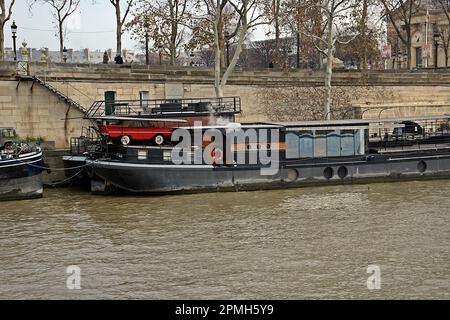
<point>105,58</point>
<point>118,59</point>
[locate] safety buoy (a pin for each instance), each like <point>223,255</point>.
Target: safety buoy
<point>217,155</point>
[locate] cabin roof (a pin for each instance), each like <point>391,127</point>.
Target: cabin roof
<point>355,122</point>
<point>233,126</point>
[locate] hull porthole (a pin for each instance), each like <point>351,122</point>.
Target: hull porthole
<point>328,173</point>
<point>292,175</point>
<point>342,172</point>
<point>422,166</point>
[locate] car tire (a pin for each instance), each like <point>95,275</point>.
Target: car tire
<point>8,146</point>
<point>125,140</point>
<point>159,139</point>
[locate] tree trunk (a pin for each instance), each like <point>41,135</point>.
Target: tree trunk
<point>118,30</point>
<point>409,57</point>
<point>329,69</point>
<point>221,81</point>
<point>277,33</point>
<point>238,50</point>
<point>2,31</point>
<point>119,40</point>
<point>61,40</point>
<point>363,33</point>
<point>2,42</point>
<point>173,32</point>
<point>220,32</point>
<point>217,64</point>
<point>408,47</point>
<point>277,45</point>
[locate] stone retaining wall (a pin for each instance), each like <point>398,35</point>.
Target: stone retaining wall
<point>36,111</point>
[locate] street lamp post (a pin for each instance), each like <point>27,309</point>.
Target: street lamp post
<point>147,58</point>
<point>227,41</point>
<point>437,35</point>
<point>65,55</point>
<point>14,36</point>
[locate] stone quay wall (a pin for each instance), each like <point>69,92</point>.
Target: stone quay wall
<point>35,111</point>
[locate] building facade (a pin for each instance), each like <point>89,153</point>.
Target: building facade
<point>429,35</point>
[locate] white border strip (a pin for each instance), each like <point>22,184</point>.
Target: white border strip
<point>19,160</point>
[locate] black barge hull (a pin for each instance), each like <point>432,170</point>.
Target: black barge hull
<point>21,178</point>
<point>163,179</point>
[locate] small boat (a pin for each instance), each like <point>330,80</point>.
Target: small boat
<point>20,168</point>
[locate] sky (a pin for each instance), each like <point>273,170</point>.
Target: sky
<point>93,27</point>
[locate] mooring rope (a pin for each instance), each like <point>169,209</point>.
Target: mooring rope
<point>60,169</point>
<point>53,184</point>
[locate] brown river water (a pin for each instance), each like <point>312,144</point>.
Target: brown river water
<point>313,243</point>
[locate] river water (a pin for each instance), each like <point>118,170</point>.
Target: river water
<point>286,244</point>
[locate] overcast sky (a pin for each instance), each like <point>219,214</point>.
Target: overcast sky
<point>93,27</point>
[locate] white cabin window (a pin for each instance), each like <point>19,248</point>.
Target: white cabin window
<point>167,155</point>
<point>142,154</point>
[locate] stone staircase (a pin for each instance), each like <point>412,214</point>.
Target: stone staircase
<point>59,94</point>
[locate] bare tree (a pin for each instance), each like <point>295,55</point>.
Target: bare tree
<point>444,5</point>
<point>334,16</point>
<point>165,21</point>
<point>206,56</point>
<point>400,14</point>
<point>121,6</point>
<point>262,53</point>
<point>62,9</point>
<point>274,15</point>
<point>364,49</point>
<point>203,31</point>
<point>248,17</point>
<point>5,15</point>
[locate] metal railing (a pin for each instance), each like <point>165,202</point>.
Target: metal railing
<point>87,142</point>
<point>427,134</point>
<point>158,107</point>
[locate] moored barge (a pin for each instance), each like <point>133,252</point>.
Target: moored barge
<point>256,156</point>
<point>20,168</point>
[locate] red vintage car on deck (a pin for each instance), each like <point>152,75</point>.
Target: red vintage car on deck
<point>135,130</point>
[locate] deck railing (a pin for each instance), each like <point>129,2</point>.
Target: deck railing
<point>158,107</point>
<point>87,142</point>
